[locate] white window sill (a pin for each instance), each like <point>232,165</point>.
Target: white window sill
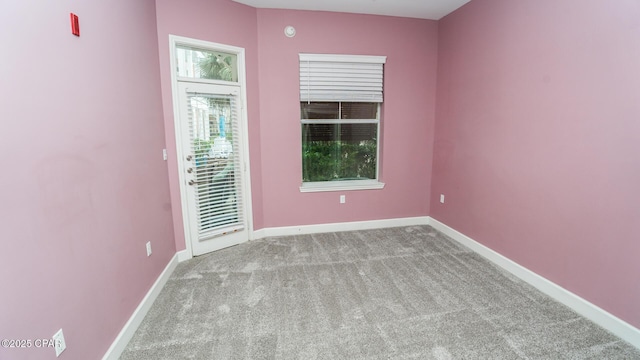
<point>345,185</point>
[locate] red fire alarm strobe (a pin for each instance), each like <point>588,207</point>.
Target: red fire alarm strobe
<point>75,25</point>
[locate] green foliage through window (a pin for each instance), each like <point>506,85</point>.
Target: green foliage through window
<point>206,64</point>
<point>338,160</point>
<point>217,66</point>
<point>339,141</point>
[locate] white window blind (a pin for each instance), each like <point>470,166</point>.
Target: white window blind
<point>213,126</point>
<point>352,78</point>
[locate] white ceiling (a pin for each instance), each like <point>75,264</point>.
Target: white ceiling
<point>422,9</point>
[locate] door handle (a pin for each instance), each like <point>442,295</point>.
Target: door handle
<point>191,182</point>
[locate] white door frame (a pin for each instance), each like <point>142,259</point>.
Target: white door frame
<point>244,128</point>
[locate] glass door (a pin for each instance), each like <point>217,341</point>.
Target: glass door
<point>212,165</point>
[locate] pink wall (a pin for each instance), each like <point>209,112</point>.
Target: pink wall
<point>538,141</point>
<point>536,144</point>
<point>84,186</point>
<point>273,105</point>
<point>410,46</point>
<point>224,22</point>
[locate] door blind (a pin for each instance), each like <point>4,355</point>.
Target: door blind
<point>213,127</point>
<point>349,78</point>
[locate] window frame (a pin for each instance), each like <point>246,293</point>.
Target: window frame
<point>182,64</point>
<point>346,185</point>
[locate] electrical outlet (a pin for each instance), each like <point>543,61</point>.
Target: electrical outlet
<point>164,154</point>
<point>148,248</point>
<point>343,199</point>
<point>442,198</point>
<point>58,342</point>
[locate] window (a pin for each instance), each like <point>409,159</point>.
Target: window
<point>339,141</point>
<point>340,97</point>
<point>206,64</point>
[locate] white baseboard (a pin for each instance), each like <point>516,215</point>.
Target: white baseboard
<point>125,335</point>
<point>184,255</point>
<point>344,226</point>
<point>258,234</point>
<point>324,228</point>
<point>592,312</point>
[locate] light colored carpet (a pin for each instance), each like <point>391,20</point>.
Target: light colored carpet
<point>398,293</point>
